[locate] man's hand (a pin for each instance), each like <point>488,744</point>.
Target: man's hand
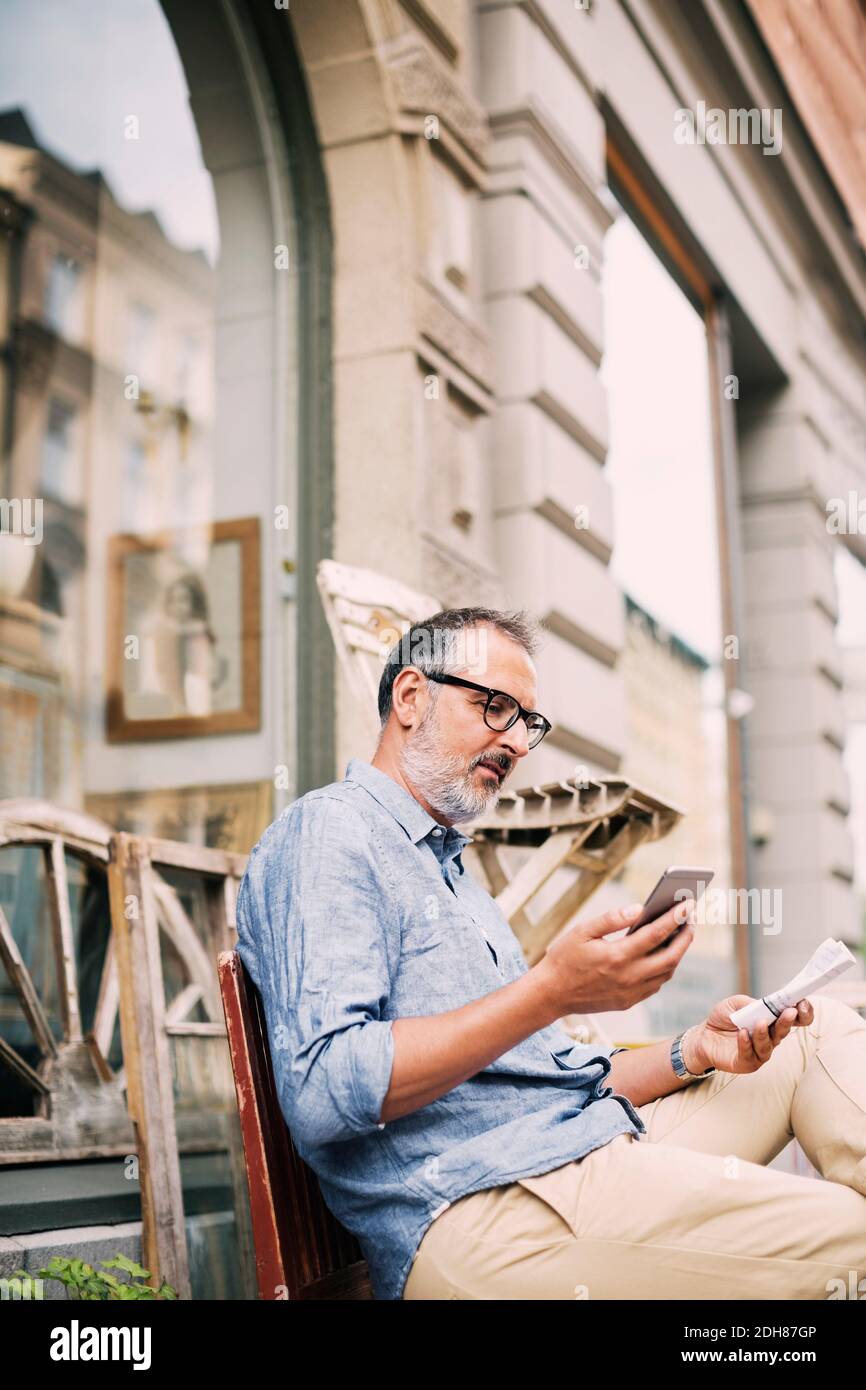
<point>721,1044</point>
<point>585,973</point>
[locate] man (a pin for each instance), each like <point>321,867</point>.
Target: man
<point>472,1146</point>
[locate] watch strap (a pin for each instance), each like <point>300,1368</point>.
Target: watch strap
<point>678,1063</point>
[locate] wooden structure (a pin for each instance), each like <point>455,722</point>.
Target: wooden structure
<point>170,909</point>
<point>590,826</point>
<point>80,1110</point>
<point>367,615</point>
<point>302,1252</point>
<point>583,829</point>
<point>144,906</point>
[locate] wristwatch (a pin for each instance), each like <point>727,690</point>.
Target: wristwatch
<point>679,1065</point>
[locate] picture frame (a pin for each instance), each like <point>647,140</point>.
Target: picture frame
<point>224,816</point>
<point>183,655</point>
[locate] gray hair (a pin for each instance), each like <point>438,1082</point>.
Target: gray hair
<point>439,645</point>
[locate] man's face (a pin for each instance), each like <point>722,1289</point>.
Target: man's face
<point>452,758</point>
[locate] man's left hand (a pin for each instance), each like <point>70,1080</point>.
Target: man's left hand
<point>721,1044</point>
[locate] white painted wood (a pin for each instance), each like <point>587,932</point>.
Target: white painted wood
<point>367,614</point>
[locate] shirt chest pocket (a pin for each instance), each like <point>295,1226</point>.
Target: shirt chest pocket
<point>429,962</point>
<point>420,940</point>
<point>438,967</point>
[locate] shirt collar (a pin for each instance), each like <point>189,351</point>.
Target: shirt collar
<point>418,823</point>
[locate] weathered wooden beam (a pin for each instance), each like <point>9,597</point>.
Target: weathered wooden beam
<point>10,1058</point>
<point>107,1002</point>
<point>64,945</point>
<point>187,1028</point>
<point>183,1004</point>
<point>557,918</point>
<point>22,983</point>
<point>180,931</point>
<point>201,859</point>
<point>148,1061</point>
<point>547,858</point>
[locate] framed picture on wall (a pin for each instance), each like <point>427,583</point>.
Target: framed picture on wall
<point>224,816</point>
<point>184,632</point>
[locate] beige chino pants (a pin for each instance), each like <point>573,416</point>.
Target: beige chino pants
<point>687,1211</point>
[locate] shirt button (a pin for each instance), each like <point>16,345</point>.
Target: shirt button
<point>437,831</point>
<point>380,1126</point>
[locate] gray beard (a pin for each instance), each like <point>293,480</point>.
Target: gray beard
<point>441,777</point>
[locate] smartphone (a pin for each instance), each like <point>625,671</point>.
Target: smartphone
<point>675,885</point>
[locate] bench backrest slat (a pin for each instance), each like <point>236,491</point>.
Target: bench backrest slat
<point>302,1251</point>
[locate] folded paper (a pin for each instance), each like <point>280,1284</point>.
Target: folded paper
<point>830,959</point>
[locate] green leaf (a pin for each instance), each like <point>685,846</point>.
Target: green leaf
<point>123,1262</point>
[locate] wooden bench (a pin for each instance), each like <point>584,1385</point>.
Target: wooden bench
<point>302,1251</point>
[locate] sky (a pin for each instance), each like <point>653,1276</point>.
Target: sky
<point>851,631</point>
<point>660,466</point>
<point>851,585</point>
<point>79,68</point>
<point>660,459</point>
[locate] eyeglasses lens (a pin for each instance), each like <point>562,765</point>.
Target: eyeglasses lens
<point>501,712</point>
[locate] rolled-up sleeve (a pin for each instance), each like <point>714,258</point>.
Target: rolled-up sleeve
<point>315,912</point>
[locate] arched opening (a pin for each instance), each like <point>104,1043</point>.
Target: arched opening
<point>166,261</point>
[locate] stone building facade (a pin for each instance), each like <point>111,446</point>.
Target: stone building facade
<point>475,255</point>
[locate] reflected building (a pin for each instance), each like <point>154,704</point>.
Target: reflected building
<point>107,401</point>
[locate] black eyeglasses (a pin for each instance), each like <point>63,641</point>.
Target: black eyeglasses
<point>501,710</point>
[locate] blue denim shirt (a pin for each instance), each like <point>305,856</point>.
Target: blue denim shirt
<point>355,910</point>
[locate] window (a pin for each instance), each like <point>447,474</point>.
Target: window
<point>851,634</point>
<point>136,510</point>
<point>186,371</point>
<point>61,464</point>
<point>661,466</point>
<point>141,345</point>
<point>179,406</point>
<point>64,298</point>
<point>162,151</point>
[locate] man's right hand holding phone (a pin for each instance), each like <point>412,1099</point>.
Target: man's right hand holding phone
<point>585,972</point>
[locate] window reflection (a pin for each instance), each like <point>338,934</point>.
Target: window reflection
<point>108,284</point>
<point>64,298</point>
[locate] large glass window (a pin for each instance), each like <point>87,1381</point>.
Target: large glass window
<point>149,312</point>
<point>666,559</point>
<point>148,326</point>
<point>851,635</point>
